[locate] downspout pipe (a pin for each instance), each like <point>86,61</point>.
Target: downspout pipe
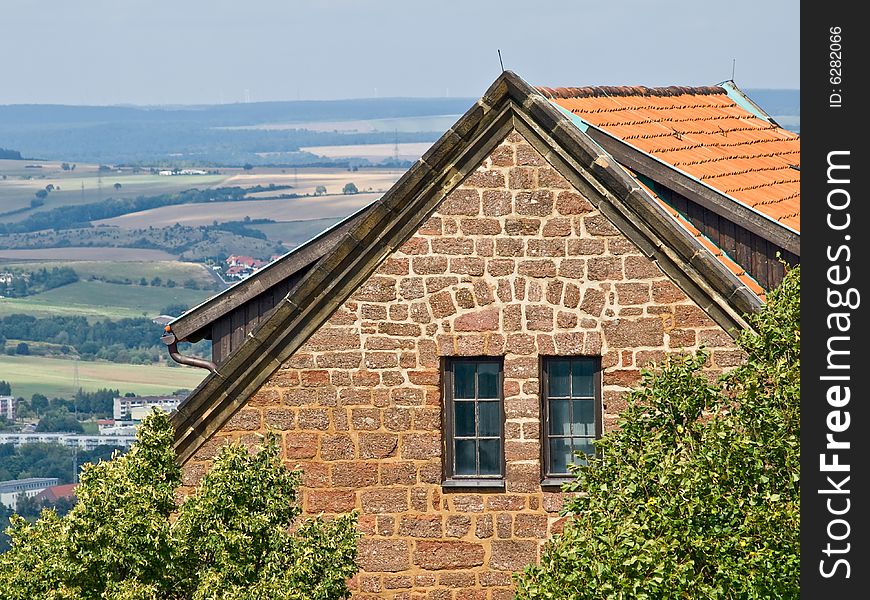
<point>171,342</point>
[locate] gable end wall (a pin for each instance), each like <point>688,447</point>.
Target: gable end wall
<point>514,263</point>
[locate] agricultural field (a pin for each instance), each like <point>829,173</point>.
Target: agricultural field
<point>97,299</point>
<point>387,125</point>
<point>288,209</point>
<point>96,253</point>
<point>117,270</point>
<point>83,185</point>
<point>372,152</point>
<point>305,181</point>
<point>57,377</point>
<point>294,233</point>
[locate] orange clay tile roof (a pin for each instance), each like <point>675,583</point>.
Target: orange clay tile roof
<point>704,133</point>
<point>738,271</point>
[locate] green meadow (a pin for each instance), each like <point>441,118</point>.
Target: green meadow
<point>98,299</point>
<point>57,377</point>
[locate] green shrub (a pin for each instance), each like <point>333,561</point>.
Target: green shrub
<point>240,536</point>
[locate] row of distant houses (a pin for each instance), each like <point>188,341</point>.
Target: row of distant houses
<point>241,267</point>
<point>170,172</point>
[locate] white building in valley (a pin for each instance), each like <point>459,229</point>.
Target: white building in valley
<point>136,408</point>
<point>7,407</point>
<point>12,489</point>
<point>70,440</point>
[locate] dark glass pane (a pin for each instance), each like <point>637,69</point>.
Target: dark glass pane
<point>465,457</point>
<point>489,417</point>
<point>490,457</point>
<point>463,380</point>
<point>487,380</point>
<point>463,421</point>
<point>560,455</point>
<point>560,423</point>
<point>583,377</point>
<point>557,372</point>
<point>583,446</point>
<point>584,417</point>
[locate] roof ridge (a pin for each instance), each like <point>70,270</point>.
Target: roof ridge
<point>630,90</point>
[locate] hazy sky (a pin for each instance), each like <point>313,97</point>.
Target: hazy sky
<point>211,51</point>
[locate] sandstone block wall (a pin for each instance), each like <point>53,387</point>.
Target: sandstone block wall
<point>514,263</point>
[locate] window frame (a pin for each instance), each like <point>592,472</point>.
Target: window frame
<point>449,478</point>
<point>547,478</point>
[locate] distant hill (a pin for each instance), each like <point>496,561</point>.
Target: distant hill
<point>235,134</point>
<point>228,115</point>
<point>10,154</point>
<point>219,135</point>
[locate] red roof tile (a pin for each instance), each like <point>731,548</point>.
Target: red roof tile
<point>56,492</point>
<point>704,133</point>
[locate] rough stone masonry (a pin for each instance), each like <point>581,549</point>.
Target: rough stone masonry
<point>513,263</point>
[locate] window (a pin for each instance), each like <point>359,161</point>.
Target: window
<point>473,423</point>
<point>572,411</point>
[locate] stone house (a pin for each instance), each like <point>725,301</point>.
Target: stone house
<point>435,360</point>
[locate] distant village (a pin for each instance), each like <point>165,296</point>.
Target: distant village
<point>241,267</point>
<point>119,431</point>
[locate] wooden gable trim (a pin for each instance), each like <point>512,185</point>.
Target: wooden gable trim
<point>509,103</point>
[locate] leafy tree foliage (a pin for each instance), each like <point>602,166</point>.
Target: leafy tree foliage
<point>30,508</point>
<point>47,460</point>
<point>5,387</point>
<point>70,216</point>
<point>89,339</point>
<point>240,536</point>
<point>56,421</point>
<point>350,188</point>
<point>38,402</point>
<point>696,495</point>
<point>27,283</point>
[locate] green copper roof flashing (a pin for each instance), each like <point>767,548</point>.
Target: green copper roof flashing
<point>743,101</point>
<point>578,122</point>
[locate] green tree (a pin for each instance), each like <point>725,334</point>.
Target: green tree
<point>320,190</point>
<point>55,421</point>
<point>22,348</point>
<point>117,186</point>
<point>696,494</point>
<point>5,387</point>
<point>39,403</point>
<point>240,535</point>
<point>350,188</point>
